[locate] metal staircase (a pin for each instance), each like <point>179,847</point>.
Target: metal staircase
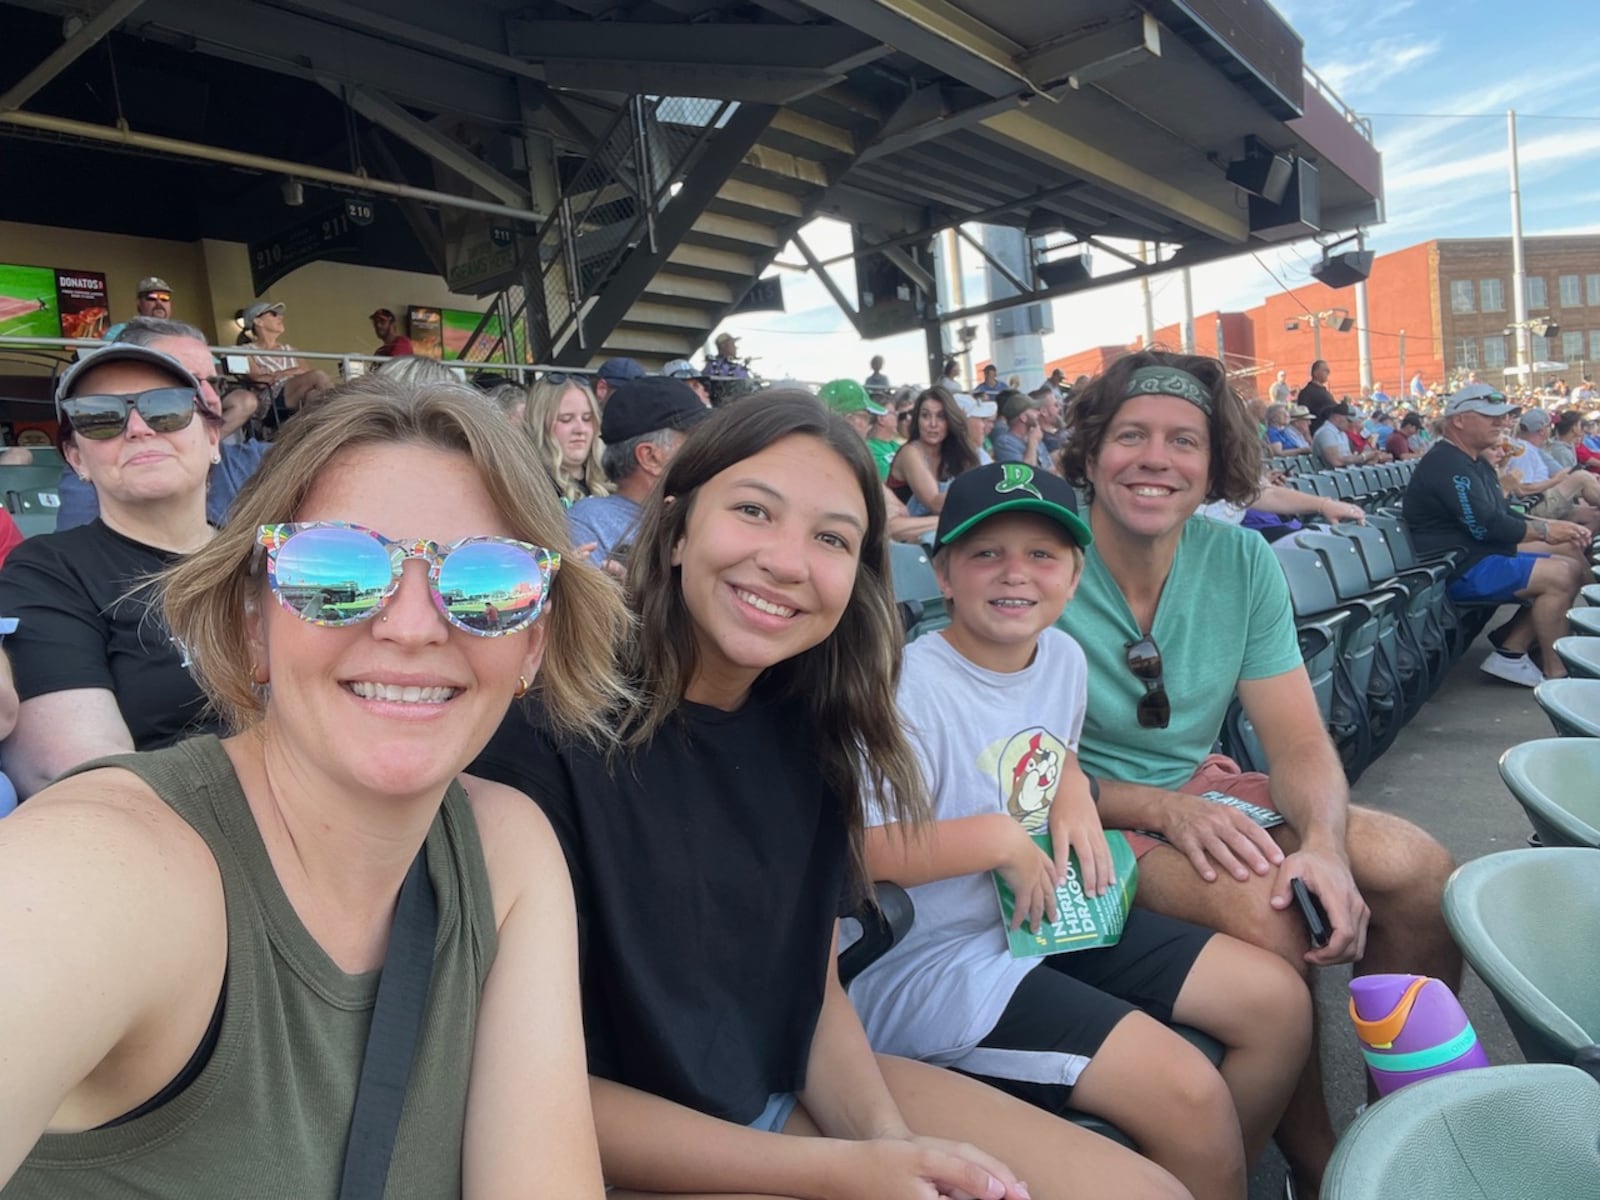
<point>669,222</point>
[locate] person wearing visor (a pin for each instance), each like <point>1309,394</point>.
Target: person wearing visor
<point>1176,617</point>
<point>95,669</point>
<point>225,959</point>
<point>286,381</point>
<point>1454,501</point>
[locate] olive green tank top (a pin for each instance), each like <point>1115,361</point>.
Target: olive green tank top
<point>269,1113</point>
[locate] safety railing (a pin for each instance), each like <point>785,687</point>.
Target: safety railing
<point>1362,125</point>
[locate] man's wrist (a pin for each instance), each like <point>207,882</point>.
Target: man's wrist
<point>1539,527</point>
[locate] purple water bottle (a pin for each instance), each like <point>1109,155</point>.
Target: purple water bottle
<point>1411,1027</point>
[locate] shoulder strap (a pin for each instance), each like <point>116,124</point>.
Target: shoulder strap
<point>392,1038</point>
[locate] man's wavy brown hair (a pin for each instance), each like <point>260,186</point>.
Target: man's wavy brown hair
<point>1235,472</point>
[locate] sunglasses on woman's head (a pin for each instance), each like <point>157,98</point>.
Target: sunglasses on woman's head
<point>332,573</point>
<point>101,418</point>
<point>1144,660</point>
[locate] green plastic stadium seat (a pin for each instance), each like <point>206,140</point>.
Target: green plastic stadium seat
<point>1585,622</point>
<point>35,510</point>
<point>916,590</point>
<point>1573,705</point>
<point>1502,1133</point>
<point>1557,782</point>
<point>1591,595</point>
<point>15,481</point>
<point>1528,921</point>
<point>1581,656</point>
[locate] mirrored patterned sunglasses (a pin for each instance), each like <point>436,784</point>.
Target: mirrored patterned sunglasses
<point>333,573</point>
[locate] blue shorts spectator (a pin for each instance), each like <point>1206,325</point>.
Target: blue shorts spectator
<point>1497,578</point>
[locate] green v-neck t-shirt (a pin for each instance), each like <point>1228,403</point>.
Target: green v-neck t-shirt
<point>1224,615</point>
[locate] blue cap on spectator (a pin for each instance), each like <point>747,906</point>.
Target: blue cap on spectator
<point>620,370</point>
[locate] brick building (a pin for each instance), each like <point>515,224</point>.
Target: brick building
<point>1440,307</point>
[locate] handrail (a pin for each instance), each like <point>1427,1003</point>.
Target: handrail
<point>1362,125</point>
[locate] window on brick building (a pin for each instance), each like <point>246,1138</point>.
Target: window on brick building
<point>1494,351</point>
<point>1571,295</point>
<point>1594,345</point>
<point>1541,348</point>
<point>1467,354</point>
<point>1537,297</point>
<point>1461,299</point>
<point>1572,346</point>
<point>1492,295</point>
<point>1592,287</point>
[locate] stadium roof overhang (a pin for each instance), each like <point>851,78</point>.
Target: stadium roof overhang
<point>1091,120</point>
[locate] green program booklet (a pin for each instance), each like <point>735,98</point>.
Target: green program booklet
<point>1085,922</point>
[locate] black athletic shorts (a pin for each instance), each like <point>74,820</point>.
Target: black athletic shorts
<point>1065,1008</point>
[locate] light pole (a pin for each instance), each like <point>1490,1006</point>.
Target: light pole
<point>1337,319</point>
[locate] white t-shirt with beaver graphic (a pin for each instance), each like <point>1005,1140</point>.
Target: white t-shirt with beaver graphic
<point>989,743</point>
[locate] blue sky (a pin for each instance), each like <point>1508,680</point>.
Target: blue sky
<point>1444,176</point>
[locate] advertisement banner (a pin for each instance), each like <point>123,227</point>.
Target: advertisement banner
<point>83,304</point>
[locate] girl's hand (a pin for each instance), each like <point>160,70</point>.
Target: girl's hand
<point>1031,876</point>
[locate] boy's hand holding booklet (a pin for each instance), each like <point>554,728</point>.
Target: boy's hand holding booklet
<point>1083,922</point>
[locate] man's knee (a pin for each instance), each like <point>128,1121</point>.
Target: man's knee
<point>1397,865</point>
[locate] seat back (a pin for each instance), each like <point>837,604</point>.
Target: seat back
<point>1573,705</point>
<point>1557,782</point>
<point>15,481</point>
<point>1520,1130</point>
<point>36,510</point>
<point>1581,657</point>
<point>1585,622</point>
<point>916,590</point>
<point>1528,922</point>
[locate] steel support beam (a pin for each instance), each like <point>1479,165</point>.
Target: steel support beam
<point>256,162</point>
<point>382,111</point>
<point>832,49</point>
<point>1060,149</point>
<point>940,35</point>
<point>828,284</point>
<point>64,55</point>
<point>1083,58</point>
<point>704,177</point>
<point>1005,271</point>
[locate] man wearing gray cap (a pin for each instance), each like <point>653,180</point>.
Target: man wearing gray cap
<point>154,300</point>
<point>1564,493</point>
<point>684,370</point>
<point>1454,502</point>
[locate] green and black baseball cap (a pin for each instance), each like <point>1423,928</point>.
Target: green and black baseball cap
<point>1008,487</point>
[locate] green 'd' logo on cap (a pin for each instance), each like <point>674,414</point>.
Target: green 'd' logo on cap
<point>1017,477</point>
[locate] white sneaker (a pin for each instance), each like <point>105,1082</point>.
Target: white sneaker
<point>1513,670</point>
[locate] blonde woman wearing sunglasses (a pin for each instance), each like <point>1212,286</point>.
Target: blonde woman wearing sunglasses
<point>198,936</point>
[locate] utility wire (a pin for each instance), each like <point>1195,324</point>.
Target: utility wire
<point>1499,116</point>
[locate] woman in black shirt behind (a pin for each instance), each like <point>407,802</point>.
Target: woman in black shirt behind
<point>95,668</point>
<point>711,860</point>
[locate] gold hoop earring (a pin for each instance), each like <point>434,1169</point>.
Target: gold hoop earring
<point>522,688</point>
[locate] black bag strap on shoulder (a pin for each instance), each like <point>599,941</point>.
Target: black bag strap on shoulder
<point>392,1038</point>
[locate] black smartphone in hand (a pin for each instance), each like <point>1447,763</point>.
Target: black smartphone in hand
<point>1311,908</point>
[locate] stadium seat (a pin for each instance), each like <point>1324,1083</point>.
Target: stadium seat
<point>1581,657</point>
<point>884,920</point>
<point>34,510</point>
<point>1573,705</point>
<point>1328,648</point>
<point>1591,595</point>
<point>1422,642</point>
<point>916,590</point>
<point>1557,782</point>
<point>16,481</point>
<point>1585,622</point>
<point>1501,1133</point>
<point>1528,921</point>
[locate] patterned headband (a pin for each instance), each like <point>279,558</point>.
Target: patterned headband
<point>1169,381</point>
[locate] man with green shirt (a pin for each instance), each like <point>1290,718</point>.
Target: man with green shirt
<point>866,416</point>
<point>1176,614</point>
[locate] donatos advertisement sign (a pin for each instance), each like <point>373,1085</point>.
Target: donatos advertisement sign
<point>51,302</point>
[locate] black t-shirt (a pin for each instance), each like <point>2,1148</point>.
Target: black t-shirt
<point>708,870</point>
<point>1454,502</point>
<point>79,627</point>
<point>1316,399</point>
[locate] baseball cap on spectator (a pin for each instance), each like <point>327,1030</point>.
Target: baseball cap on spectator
<point>1479,398</point>
<point>153,283</point>
<point>1533,420</point>
<point>682,368</point>
<point>621,370</point>
<point>648,404</point>
<point>726,339</point>
<point>123,352</point>
<point>1339,410</point>
<point>1016,404</point>
<point>381,312</point>
<point>1299,412</point>
<point>985,491</point>
<point>1411,421</point>
<point>971,406</point>
<point>250,315</point>
<point>846,396</point>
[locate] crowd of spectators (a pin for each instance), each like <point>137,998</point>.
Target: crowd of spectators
<point>250,676</point>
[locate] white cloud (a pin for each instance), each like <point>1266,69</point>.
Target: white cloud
<point>1378,63</point>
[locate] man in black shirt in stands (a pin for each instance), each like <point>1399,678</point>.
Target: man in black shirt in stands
<point>1315,396</point>
<point>1454,502</point>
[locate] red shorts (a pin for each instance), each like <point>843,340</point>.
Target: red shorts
<point>1217,773</point>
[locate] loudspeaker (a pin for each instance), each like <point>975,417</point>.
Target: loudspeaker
<point>1062,272</point>
<point>1300,213</point>
<point>1262,173</point>
<point>1343,270</point>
